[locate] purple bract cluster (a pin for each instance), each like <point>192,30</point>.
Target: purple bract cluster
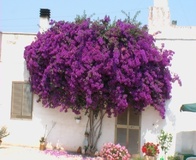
<point>67,155</point>
<point>99,65</point>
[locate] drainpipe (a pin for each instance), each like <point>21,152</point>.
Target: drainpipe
<point>44,20</point>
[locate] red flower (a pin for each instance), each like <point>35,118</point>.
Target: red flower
<point>150,149</point>
<point>144,149</point>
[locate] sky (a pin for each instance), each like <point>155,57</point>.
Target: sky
<point>23,15</point>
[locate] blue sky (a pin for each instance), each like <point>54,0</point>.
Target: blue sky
<point>23,15</point>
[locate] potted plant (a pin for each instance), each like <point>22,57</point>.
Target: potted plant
<point>175,157</point>
<point>42,145</point>
<point>150,150</point>
<point>44,138</point>
<point>114,151</point>
<point>77,119</point>
<point>3,133</point>
<point>165,140</point>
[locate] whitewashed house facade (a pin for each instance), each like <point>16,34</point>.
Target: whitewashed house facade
<point>128,129</point>
<point>182,40</point>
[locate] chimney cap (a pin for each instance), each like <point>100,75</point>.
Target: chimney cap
<point>44,12</point>
<point>174,22</point>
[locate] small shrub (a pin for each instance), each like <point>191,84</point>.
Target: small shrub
<point>138,158</point>
<point>165,140</point>
<point>3,132</point>
<point>175,157</point>
<point>112,151</point>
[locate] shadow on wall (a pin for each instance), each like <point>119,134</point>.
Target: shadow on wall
<point>185,142</point>
<point>166,124</point>
<point>151,124</point>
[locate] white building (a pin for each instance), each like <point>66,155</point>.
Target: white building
<point>182,40</point>
<point>62,128</point>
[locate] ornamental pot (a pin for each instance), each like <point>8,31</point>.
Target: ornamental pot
<point>150,158</point>
<point>42,146</point>
<point>77,121</point>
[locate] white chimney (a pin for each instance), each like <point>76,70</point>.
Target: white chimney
<point>44,20</point>
<point>161,3</point>
<point>159,15</point>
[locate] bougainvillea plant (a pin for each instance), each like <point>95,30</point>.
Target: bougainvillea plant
<point>99,65</point>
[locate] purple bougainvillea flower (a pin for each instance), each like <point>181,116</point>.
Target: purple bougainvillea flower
<point>99,65</point>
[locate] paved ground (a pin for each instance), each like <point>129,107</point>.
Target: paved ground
<point>26,153</point>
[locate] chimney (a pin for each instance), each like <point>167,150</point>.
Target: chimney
<point>44,20</point>
<point>161,3</point>
<point>159,15</point>
<point>174,22</point>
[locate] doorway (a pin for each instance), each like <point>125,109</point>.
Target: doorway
<point>127,131</point>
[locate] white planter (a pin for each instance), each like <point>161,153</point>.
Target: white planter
<point>77,121</point>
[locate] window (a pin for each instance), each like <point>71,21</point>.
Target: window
<point>22,100</point>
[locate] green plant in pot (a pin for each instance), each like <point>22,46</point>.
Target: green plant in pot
<point>44,138</point>
<point>165,140</point>
<point>42,143</point>
<point>175,157</point>
<point>3,133</point>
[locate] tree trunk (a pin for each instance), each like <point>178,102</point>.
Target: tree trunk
<point>94,127</point>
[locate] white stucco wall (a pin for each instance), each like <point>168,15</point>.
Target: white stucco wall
<point>67,132</point>
<point>184,64</point>
<point>180,124</point>
<point>182,40</point>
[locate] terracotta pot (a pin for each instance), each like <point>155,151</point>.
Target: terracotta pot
<point>150,157</point>
<point>42,146</point>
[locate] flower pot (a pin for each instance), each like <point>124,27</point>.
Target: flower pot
<point>83,151</point>
<point>77,121</point>
<point>150,157</point>
<point>42,146</point>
